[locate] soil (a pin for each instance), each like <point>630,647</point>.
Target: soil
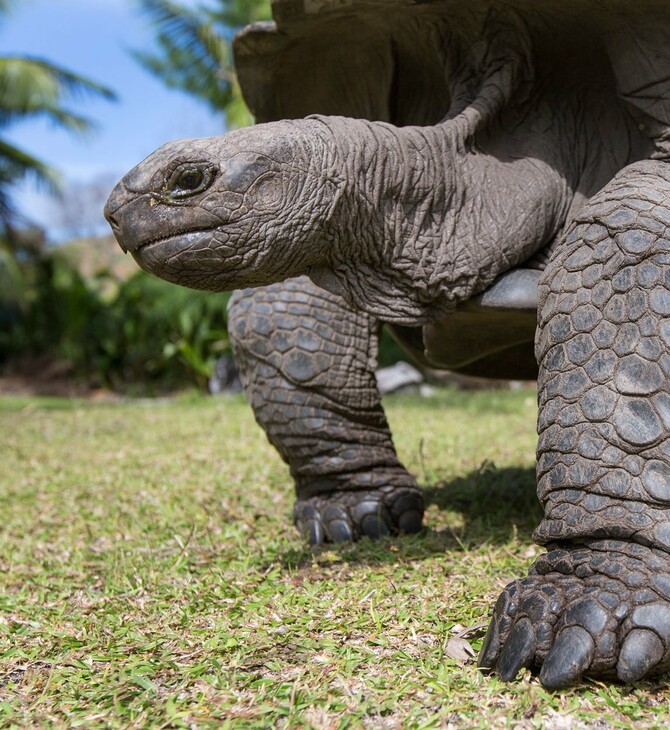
<point>39,377</point>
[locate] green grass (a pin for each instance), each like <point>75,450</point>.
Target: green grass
<point>150,576</point>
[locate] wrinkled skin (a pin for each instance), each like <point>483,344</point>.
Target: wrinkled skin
<point>339,224</point>
<point>245,192</point>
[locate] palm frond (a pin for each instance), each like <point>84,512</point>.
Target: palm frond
<point>235,14</point>
<point>32,86</point>
<point>16,165</point>
<point>5,6</point>
<point>195,53</point>
<point>190,31</point>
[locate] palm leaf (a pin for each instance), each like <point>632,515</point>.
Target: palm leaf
<point>195,56</point>
<point>34,87</point>
<point>16,165</point>
<point>235,14</point>
<point>195,50</point>
<point>31,87</point>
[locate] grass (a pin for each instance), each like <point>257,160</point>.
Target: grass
<point>150,577</point>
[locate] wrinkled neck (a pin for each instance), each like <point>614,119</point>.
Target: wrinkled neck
<point>426,223</point>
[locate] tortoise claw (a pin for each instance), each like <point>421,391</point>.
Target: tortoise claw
<point>490,646</point>
<point>312,531</point>
<point>345,516</point>
<point>570,656</point>
<point>570,618</point>
<point>518,652</point>
<point>642,650</point>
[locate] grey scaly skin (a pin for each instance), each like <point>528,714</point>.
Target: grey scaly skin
<point>599,601</point>
<point>307,364</point>
<point>403,224</point>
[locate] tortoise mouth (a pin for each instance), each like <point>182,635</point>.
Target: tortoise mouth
<point>155,242</point>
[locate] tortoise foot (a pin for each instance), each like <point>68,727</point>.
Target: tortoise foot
<point>344,516</point>
<point>600,609</point>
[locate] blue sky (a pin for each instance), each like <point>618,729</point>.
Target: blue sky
<point>92,37</point>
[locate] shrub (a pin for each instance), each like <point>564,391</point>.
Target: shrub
<point>147,335</point>
<point>140,334</point>
<point>162,335</point>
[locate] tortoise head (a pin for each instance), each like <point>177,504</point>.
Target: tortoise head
<point>244,209</point>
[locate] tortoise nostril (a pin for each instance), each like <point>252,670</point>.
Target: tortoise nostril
<point>116,229</point>
<point>115,201</point>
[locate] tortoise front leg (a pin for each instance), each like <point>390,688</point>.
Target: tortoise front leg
<point>307,364</point>
<point>598,602</point>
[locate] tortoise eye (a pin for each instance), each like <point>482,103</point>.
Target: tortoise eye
<point>190,179</point>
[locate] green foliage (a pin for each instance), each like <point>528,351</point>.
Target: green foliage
<point>29,88</point>
<point>147,336</point>
<point>195,50</point>
<point>159,336</point>
<point>11,280</point>
<point>33,87</point>
<point>197,343</point>
<point>60,315</point>
<point>138,334</point>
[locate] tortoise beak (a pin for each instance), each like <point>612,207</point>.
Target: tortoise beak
<point>114,203</point>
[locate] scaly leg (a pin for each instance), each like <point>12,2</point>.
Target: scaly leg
<point>307,365</point>
<point>598,602</point>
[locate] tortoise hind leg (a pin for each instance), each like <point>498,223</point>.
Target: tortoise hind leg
<point>307,364</point>
<point>598,602</point>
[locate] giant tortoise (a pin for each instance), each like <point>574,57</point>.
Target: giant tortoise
<point>476,175</point>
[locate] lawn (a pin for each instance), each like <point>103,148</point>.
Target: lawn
<point>150,576</point>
